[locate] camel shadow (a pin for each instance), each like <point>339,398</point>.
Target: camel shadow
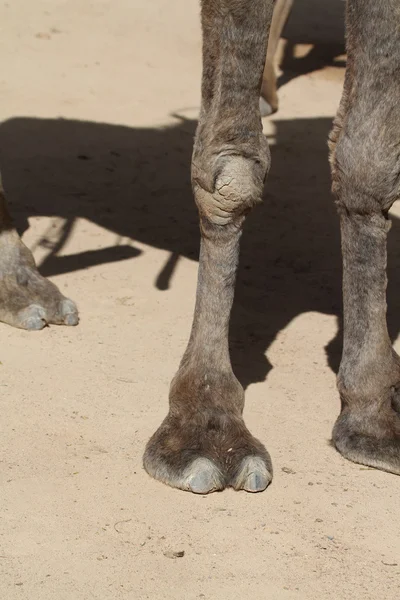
<point>136,182</point>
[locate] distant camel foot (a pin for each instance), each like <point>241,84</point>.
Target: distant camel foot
<point>370,439</point>
<point>266,108</point>
<point>28,300</point>
<point>206,452</point>
<point>269,102</point>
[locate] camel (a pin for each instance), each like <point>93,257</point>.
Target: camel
<point>203,445</point>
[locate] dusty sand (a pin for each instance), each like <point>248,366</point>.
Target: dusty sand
<point>96,167</point>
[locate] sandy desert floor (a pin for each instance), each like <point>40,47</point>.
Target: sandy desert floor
<point>98,101</point>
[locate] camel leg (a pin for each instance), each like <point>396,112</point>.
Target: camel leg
<point>366,181</point>
<point>203,444</point>
<point>269,96</point>
<point>27,300</point>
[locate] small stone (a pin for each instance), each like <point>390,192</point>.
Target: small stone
<point>174,553</point>
<point>288,471</point>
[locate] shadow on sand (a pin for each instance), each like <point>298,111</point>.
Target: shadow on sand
<point>135,182</point>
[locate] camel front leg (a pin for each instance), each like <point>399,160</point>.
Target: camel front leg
<point>203,444</point>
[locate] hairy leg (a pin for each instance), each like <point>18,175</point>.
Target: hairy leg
<point>203,444</point>
<point>366,172</point>
<point>27,300</point>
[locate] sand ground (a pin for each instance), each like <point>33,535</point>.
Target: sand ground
<point>98,100</point>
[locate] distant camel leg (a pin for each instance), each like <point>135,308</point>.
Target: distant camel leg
<point>365,163</point>
<point>269,96</point>
<point>203,444</point>
<point>27,300</point>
